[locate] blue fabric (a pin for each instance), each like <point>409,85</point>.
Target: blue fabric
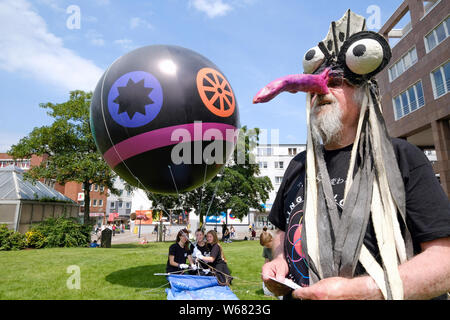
<point>187,287</point>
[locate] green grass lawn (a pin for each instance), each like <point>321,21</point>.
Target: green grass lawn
<point>121,272</point>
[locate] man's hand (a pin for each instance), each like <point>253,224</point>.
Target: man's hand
<point>278,269</point>
<point>183,266</point>
<point>338,288</point>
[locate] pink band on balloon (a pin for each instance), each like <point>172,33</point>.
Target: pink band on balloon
<point>164,137</point>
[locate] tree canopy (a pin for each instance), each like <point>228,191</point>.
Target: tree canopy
<point>67,147</point>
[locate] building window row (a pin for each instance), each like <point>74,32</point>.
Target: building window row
<point>264,151</point>
<point>120,205</point>
<point>437,35</point>
<point>403,64</point>
<point>409,100</point>
<point>93,203</point>
<point>278,165</point>
<point>23,164</point>
<point>94,187</point>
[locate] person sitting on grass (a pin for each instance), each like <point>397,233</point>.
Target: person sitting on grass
<point>216,260</point>
<point>94,244</point>
<point>178,253</point>
<point>200,248</point>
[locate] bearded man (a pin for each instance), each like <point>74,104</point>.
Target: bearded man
<point>359,215</point>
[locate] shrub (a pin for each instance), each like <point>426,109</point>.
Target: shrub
<point>11,240</point>
<point>63,232</point>
<point>35,239</point>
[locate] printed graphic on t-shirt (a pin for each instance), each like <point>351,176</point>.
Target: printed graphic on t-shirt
<point>295,254</point>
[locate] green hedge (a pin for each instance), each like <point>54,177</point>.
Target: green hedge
<point>11,240</point>
<point>62,232</point>
<point>52,232</point>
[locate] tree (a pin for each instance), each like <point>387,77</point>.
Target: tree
<point>67,147</point>
<point>237,187</point>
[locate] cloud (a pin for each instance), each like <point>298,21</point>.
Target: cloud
<point>137,22</point>
<point>125,43</point>
<point>28,48</point>
<point>95,38</point>
<point>212,8</point>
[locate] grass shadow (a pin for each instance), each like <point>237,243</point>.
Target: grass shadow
<point>139,277</point>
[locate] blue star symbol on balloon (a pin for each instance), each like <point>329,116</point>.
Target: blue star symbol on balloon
<point>135,99</point>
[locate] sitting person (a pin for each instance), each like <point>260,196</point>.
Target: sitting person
<point>200,248</point>
<point>216,260</point>
<point>178,253</point>
<point>94,244</point>
<point>226,236</point>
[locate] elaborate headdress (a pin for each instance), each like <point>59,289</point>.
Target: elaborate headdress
<point>335,243</point>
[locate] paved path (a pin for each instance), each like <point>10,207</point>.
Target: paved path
<point>130,237</point>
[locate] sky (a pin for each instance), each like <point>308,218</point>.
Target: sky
<point>50,47</point>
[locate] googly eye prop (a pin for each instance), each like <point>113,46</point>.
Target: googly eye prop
<point>348,51</point>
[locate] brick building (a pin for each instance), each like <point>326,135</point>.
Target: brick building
<point>414,87</point>
<point>72,190</point>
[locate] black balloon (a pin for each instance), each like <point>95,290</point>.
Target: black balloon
<point>164,118</point>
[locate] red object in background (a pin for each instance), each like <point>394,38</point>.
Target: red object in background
<point>112,216</point>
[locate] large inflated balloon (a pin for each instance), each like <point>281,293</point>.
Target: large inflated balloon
<point>164,118</point>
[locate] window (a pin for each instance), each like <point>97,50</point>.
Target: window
<point>264,151</point>
<point>440,79</point>
<point>263,164</point>
<point>120,204</point>
<point>100,203</point>
<point>102,188</point>
<point>408,101</point>
<point>112,205</point>
<point>405,62</point>
<point>278,180</point>
<point>94,203</point>
<point>96,187</point>
<point>429,5</point>
<point>292,151</point>
<point>279,164</point>
<point>437,35</point>
<point>128,205</point>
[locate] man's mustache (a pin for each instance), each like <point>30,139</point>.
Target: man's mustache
<point>321,100</point>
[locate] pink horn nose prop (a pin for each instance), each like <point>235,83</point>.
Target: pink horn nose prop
<point>294,83</point>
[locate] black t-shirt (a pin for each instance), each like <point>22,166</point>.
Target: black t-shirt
<point>180,254</point>
<point>216,253</point>
<point>204,250</point>
<point>427,206</point>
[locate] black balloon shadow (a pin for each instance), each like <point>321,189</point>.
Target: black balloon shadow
<point>139,277</point>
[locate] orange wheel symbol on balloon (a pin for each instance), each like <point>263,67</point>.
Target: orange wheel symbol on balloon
<point>215,92</point>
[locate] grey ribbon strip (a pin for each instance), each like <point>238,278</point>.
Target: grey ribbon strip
<point>325,230</point>
<point>356,211</point>
<point>394,177</point>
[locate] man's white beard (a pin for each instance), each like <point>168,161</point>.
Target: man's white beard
<point>327,125</point>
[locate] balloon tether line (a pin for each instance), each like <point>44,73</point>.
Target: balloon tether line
<point>203,188</point>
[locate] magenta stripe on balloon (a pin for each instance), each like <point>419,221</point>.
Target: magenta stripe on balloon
<point>163,137</point>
